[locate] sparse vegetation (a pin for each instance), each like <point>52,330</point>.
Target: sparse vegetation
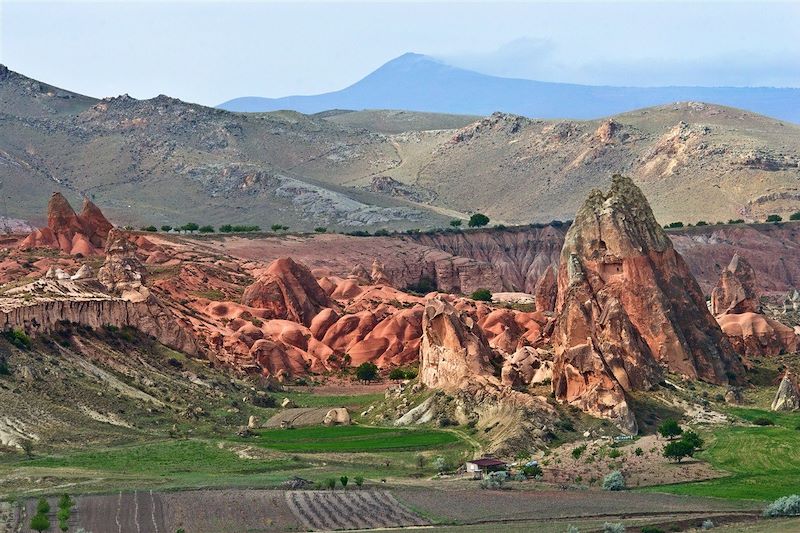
<point>279,227</point>
<point>228,228</point>
<point>18,338</point>
<point>455,223</point>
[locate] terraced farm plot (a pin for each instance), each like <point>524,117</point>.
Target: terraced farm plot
<point>351,439</point>
<point>332,510</point>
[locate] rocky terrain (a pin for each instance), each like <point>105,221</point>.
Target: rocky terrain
<point>380,169</point>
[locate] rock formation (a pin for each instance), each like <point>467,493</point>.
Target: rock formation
<point>287,290</point>
<point>69,232</point>
<point>546,290</point>
<point>378,275</point>
<point>788,396</point>
<point>736,291</point>
<point>627,304</point>
<point>753,334</point>
<point>122,273</point>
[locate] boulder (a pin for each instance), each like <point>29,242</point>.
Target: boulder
<point>287,290</point>
<point>286,403</point>
<point>252,422</point>
<point>626,306</point>
<point>338,416</point>
<point>788,396</point>
<point>736,290</point>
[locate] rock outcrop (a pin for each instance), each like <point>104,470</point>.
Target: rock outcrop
<point>122,272</point>
<point>753,334</point>
<point>788,396</point>
<point>546,290</point>
<point>287,290</point>
<point>627,304</point>
<point>69,232</point>
<point>736,291</point>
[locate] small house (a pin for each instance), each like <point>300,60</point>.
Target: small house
<point>484,465</point>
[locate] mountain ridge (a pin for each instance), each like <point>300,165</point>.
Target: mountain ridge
<point>416,82</point>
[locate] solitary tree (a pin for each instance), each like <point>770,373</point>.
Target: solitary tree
<point>40,523</point>
<point>677,450</point>
<point>477,220</point>
<point>367,371</point>
<point>669,429</point>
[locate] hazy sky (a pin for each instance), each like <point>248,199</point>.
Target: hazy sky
<point>210,52</point>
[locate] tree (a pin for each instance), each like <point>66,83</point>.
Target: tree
<point>166,228</point>
<point>40,523</point>
<point>65,502</point>
<point>367,371</point>
<point>774,218</point>
<point>614,481</point>
<point>669,429</point>
<point>320,229</point>
<point>397,374</point>
<point>795,216</point>
<point>456,223</point>
<point>279,227</point>
<point>673,225</point>
<point>693,439</point>
<point>477,220</point>
<point>27,447</point>
<point>482,295</point>
<point>190,227</point>
<point>358,480</point>
<point>206,229</point>
<point>42,507</point>
<point>343,480</point>
<point>677,450</point>
<point>226,228</point>
<point>701,223</point>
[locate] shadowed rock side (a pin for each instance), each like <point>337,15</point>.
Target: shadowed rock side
<point>736,290</point>
<point>69,232</point>
<point>546,290</point>
<point>626,304</point>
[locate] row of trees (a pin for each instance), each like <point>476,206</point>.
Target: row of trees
<point>330,483</point>
<point>770,218</point>
<point>41,520</point>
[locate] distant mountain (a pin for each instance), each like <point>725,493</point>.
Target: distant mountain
<point>416,82</point>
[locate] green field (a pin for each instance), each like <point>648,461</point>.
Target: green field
<point>350,439</point>
<point>764,461</point>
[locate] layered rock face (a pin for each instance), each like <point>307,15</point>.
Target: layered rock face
<point>69,232</point>
<point>546,290</point>
<point>736,291</point>
<point>287,290</point>
<point>627,305</point>
<point>787,398</point>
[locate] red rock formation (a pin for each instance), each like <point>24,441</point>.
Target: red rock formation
<point>753,334</point>
<point>287,290</point>
<point>736,291</point>
<point>546,290</point>
<point>627,303</point>
<point>83,234</point>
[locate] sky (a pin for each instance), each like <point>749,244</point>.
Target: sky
<point>209,52</point>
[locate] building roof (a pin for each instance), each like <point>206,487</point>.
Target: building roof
<point>487,461</point>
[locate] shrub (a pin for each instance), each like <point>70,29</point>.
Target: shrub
<point>330,483</point>
<point>397,374</point>
<point>206,229</point>
<point>18,338</point>
<point>477,220</point>
<point>701,223</point>
<point>494,480</point>
<point>786,506</point>
<point>166,228</point>
<point>651,529</point>
<point>65,502</point>
<point>190,227</point>
<point>27,447</point>
<point>677,450</point>
<point>707,524</point>
<point>343,480</point>
<point>736,221</point>
<point>673,225</point>
<point>577,452</point>
<point>795,216</point>
<point>614,453</point>
<point>40,523</point>
<point>381,232</point>
<point>456,223</point>
<point>532,471</point>
<point>151,229</point>
<point>638,452</point>
<point>279,227</point>
<point>573,529</point>
<point>763,421</point>
<point>358,480</point>
<point>669,429</point>
<point>693,439</point>
<point>614,481</point>
<point>423,286</point>
<point>4,370</point>
<point>367,371</point>
<point>774,218</point>
<point>482,295</point>
<point>441,464</point>
<point>42,506</point>
<point>320,229</point>
<point>610,527</point>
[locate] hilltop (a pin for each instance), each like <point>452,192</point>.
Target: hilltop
<point>163,161</point>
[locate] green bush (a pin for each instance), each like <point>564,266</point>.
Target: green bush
<point>278,227</point>
<point>532,471</point>
<point>190,227</point>
<point>166,228</point>
<point>693,439</point>
<point>482,295</point>
<point>673,225</point>
<point>677,450</point>
<point>652,529</point>
<point>381,232</point>
<point>456,223</point>
<point>701,223</point>
<point>616,527</point>
<point>367,371</point>
<point>18,338</point>
<point>639,452</point>
<point>320,229</point>
<point>577,452</point>
<point>494,480</point>
<point>358,480</point>
<point>795,216</point>
<point>763,421</point>
<point>786,506</point>
<point>343,480</point>
<point>614,453</point>
<point>4,370</point>
<point>206,229</point>
<point>736,221</point>
<point>42,506</point>
<point>40,523</point>
<point>330,483</point>
<point>669,429</point>
<point>774,218</point>
<point>478,220</point>
<point>397,374</point>
<point>614,481</point>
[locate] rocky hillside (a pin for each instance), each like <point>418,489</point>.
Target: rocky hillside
<point>163,161</point>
